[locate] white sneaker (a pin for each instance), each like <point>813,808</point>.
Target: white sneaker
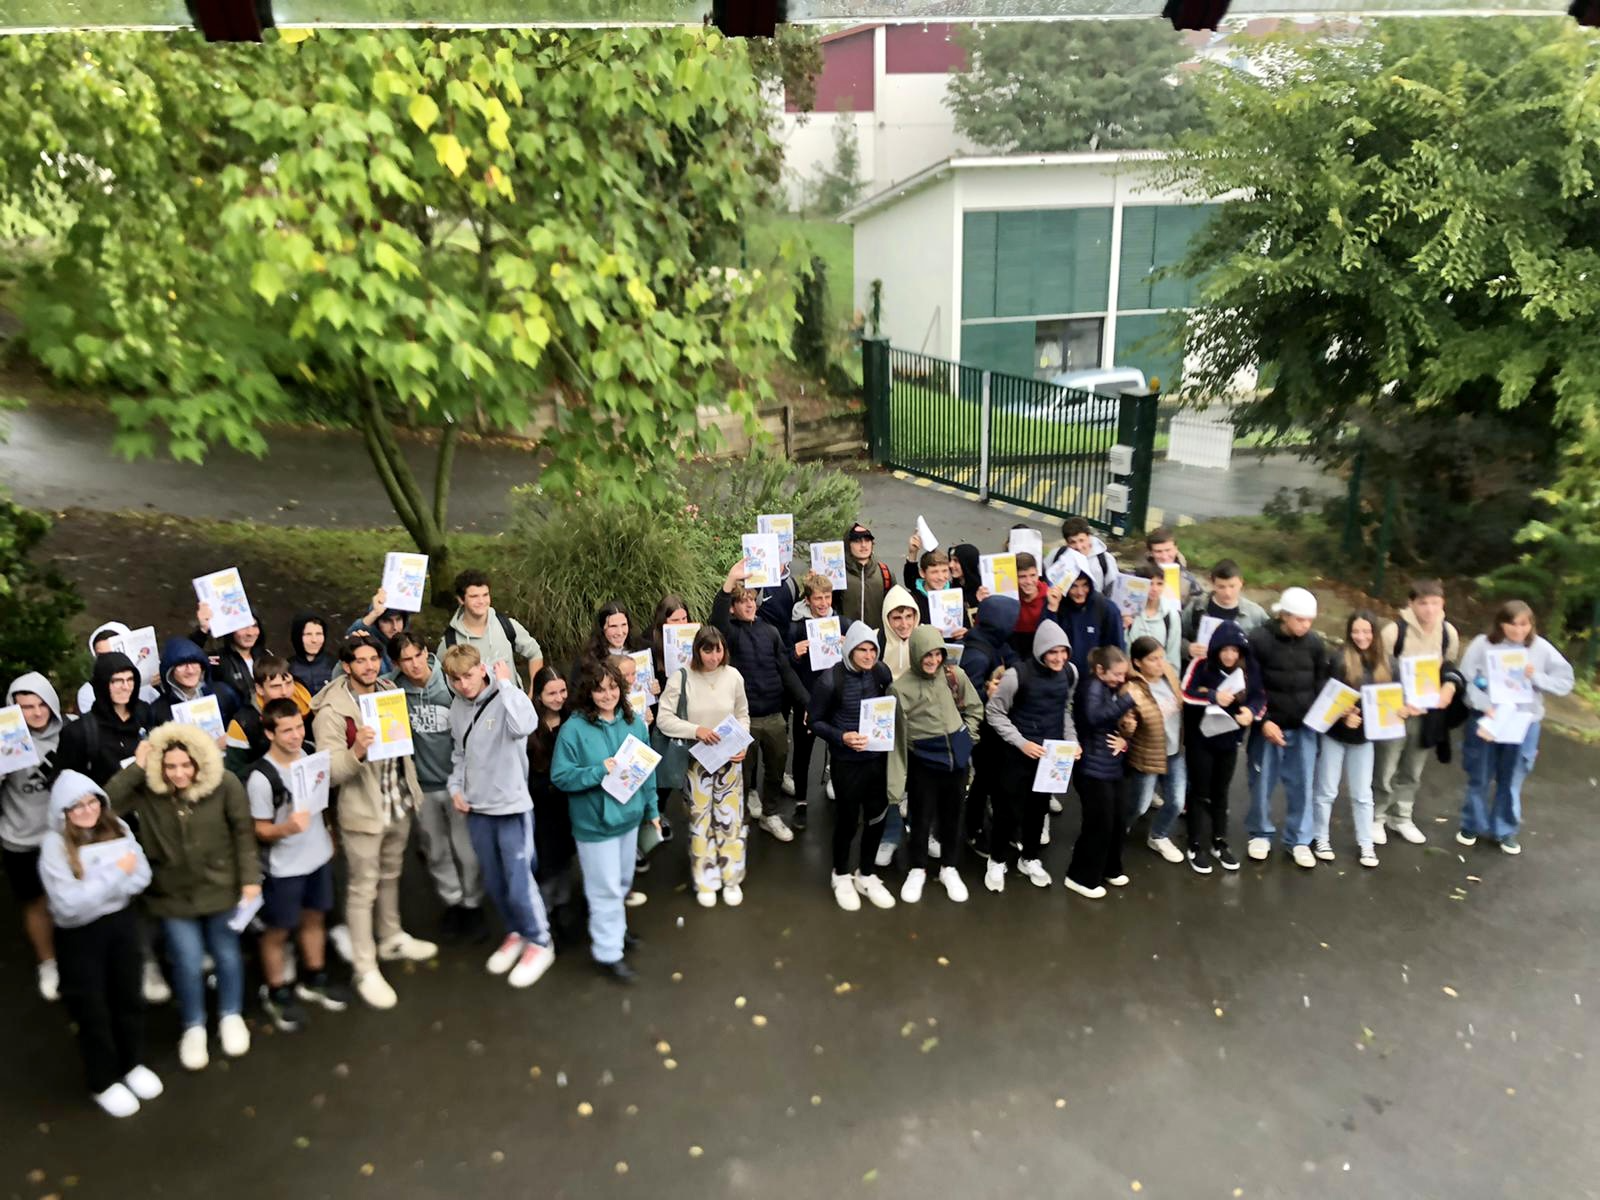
<point>1380,835</point>
<point>994,876</point>
<point>1055,805</point>
<point>788,784</point>
<point>1044,833</point>
<point>1088,893</point>
<point>1033,871</point>
<point>845,894</point>
<point>1369,857</point>
<point>1165,848</point>
<point>954,886</point>
<point>885,854</point>
<point>155,986</point>
<point>872,888</point>
<point>339,939</point>
<point>143,1083</point>
<point>1258,848</point>
<point>934,849</point>
<point>49,980</point>
<point>827,787</point>
<point>375,990</point>
<point>732,895</point>
<point>234,1035</point>
<point>634,899</point>
<point>774,825</point>
<point>706,898</point>
<point>1323,849</point>
<point>503,959</point>
<point>411,949</point>
<point>192,1051</point>
<point>1466,839</point>
<point>530,968</point>
<point>911,889</point>
<point>1303,857</point>
<point>1117,880</point>
<point>1409,831</point>
<point>752,804</point>
<point>117,1101</point>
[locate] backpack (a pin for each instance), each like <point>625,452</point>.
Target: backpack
<point>452,635</point>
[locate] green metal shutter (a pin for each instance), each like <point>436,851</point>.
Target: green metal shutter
<point>1142,342</point>
<point>1015,257</point>
<point>1174,228</point>
<point>977,265</point>
<point>1138,255</point>
<point>1004,347</point>
<point>1092,260</point>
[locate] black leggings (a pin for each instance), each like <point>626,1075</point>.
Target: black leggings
<point>861,785</point>
<point>934,795</point>
<point>801,740</point>
<point>988,775</point>
<point>1210,774</point>
<point>1097,854</point>
<point>102,975</point>
<point>1019,812</point>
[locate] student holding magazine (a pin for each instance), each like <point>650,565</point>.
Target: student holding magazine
<point>1345,748</point>
<point>694,702</point>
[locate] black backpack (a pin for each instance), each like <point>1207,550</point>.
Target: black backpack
<point>452,635</point>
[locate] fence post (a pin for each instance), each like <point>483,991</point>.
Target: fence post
<point>984,411</point>
<point>1385,530</point>
<point>1352,507</point>
<point>875,391</point>
<point>1144,460</point>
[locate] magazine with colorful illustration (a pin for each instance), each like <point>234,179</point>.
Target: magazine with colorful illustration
<point>140,646</point>
<point>386,712</point>
<point>1331,704</point>
<point>308,782</point>
<point>827,559</point>
<point>1383,712</point>
<point>677,647</point>
<point>1420,676</point>
<point>1054,772</point>
<point>405,580</point>
<point>230,607</point>
<point>825,642</point>
<point>1508,675</point>
<point>633,763</point>
<point>877,722</point>
<point>733,738</point>
<point>761,560</point>
<point>1131,592</point>
<point>998,573</point>
<point>781,524</point>
<point>947,610</point>
<point>204,713</point>
<point>17,751</point>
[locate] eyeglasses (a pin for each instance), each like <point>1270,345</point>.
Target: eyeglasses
<point>85,804</point>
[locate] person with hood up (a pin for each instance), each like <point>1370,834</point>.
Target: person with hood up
<point>380,622</point>
<point>937,713</point>
<point>986,650</point>
<point>498,638</point>
<point>1211,746</point>
<point>101,641</point>
<point>235,655</point>
<point>867,580</point>
<point>92,868</point>
<point>1098,563</point>
<point>966,573</point>
<point>1103,725</point>
<point>900,616</point>
<point>186,675</point>
<point>25,820</point>
<point>1294,666</point>
<point>376,802</point>
<point>310,660</point>
<point>490,723</point>
<point>1091,621</point>
<point>816,604</point>
<point>195,826</point>
<point>110,732</point>
<point>1033,704</point>
<point>861,776</point>
<point>755,649</point>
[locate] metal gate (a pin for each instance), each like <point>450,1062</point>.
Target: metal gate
<point>1008,437</point>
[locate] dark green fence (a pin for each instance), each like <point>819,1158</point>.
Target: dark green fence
<point>1008,437</point>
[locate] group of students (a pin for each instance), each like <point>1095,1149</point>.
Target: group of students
<point>139,833</point>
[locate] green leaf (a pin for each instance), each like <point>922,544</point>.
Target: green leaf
<point>266,280</point>
<point>423,111</point>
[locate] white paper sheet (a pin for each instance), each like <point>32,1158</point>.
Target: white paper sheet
<point>204,713</point>
<point>140,646</point>
<point>634,761</point>
<point>1509,725</point>
<point>734,739</point>
<point>761,559</point>
<point>405,580</point>
<point>827,558</point>
<point>877,722</point>
<point>17,751</point>
<point>947,610</point>
<point>925,535</point>
<point>677,647</point>
<point>308,782</point>
<point>230,607</point>
<point>1053,775</point>
<point>1027,541</point>
<point>386,712</point>
<point>825,642</point>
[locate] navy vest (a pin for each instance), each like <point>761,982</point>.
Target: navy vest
<point>1043,697</point>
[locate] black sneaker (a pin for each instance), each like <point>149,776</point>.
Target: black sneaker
<point>799,821</point>
<point>1200,861</point>
<point>641,864</point>
<point>617,972</point>
<point>978,846</point>
<point>1224,856</point>
<point>282,1008</point>
<point>315,989</point>
<point>666,830</point>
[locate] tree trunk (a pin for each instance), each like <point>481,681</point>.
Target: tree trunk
<point>425,523</point>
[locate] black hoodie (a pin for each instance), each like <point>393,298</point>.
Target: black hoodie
<point>315,672</point>
<point>99,743</point>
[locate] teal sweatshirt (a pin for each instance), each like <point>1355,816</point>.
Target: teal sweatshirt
<point>578,766</point>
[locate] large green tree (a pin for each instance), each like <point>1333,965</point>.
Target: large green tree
<point>1407,241</point>
<point>486,231</point>
<point>1072,85</point>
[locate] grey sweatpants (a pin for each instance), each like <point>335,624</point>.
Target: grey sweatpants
<point>1397,774</point>
<point>451,860</point>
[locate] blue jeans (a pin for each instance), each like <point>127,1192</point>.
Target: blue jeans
<point>1174,787</point>
<point>1354,762</point>
<point>503,845</point>
<point>607,876</point>
<point>188,941</point>
<point>1294,763</point>
<point>1507,766</point>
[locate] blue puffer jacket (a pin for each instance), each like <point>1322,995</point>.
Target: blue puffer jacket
<point>756,651</point>
<point>176,651</point>
<point>988,645</point>
<point>1097,716</point>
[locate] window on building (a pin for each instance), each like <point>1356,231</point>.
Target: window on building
<point>1070,345</point>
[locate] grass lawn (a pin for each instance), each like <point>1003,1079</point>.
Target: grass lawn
<point>816,237</point>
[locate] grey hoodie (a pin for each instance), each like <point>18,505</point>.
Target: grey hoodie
<point>492,644</point>
<point>489,765</point>
<point>429,708</point>
<point>105,887</point>
<point>24,795</point>
<point>997,712</point>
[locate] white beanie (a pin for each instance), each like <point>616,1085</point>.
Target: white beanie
<point>1296,602</point>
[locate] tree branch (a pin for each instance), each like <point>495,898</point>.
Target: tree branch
<point>443,465</point>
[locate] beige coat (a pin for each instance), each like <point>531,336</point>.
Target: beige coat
<point>361,807</point>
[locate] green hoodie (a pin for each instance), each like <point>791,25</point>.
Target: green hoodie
<point>925,707</point>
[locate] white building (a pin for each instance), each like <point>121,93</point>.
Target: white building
<point>1030,264</point>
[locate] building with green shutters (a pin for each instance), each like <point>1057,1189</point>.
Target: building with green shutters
<point>1030,264</point>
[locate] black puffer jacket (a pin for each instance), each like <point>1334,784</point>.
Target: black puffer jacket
<point>1293,671</point>
<point>756,651</point>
